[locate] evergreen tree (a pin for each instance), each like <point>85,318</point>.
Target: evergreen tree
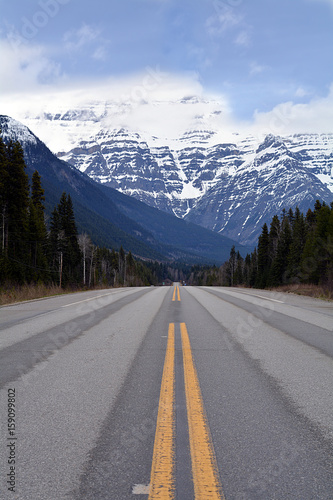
<point>263,258</point>
<point>278,269</point>
<point>37,232</point>
<point>232,264</point>
<point>122,265</point>
<point>299,233</point>
<point>254,268</point>
<point>317,255</point>
<point>15,219</point>
<point>238,275</point>
<point>274,234</point>
<point>247,270</point>
<point>65,250</point>
<point>3,190</point>
<point>291,216</point>
<point>310,220</point>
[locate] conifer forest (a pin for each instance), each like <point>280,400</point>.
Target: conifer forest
<point>294,248</point>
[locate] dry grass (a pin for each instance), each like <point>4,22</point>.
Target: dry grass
<point>10,294</point>
<point>316,291</point>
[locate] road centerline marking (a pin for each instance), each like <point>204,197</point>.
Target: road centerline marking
<point>162,470</point>
<point>204,468</point>
<point>176,291</point>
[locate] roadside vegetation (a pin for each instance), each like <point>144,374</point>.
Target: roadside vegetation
<point>295,254</point>
<point>40,258</point>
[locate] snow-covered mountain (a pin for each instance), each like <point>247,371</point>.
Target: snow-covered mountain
<point>232,186</point>
<point>112,218</point>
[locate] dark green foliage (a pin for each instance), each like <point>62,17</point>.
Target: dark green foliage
<point>32,253</point>
<point>297,249</point>
<point>65,251</point>
<point>14,204</point>
<point>38,241</point>
<point>299,233</point>
<point>317,256</point>
<point>278,269</point>
<point>263,258</point>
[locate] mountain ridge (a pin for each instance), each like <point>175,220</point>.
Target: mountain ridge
<point>100,210</point>
<point>190,181</point>
<point>212,177</point>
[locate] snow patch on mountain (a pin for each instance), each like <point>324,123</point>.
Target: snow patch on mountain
<point>228,182</point>
<point>16,131</point>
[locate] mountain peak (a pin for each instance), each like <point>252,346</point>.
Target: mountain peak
<point>13,130</point>
<point>271,141</point>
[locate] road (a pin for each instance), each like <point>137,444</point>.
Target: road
<point>167,392</point>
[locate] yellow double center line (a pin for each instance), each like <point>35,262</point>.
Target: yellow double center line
<point>176,289</point>
<point>162,470</point>
<point>204,469</point>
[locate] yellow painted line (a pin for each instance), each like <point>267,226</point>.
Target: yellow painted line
<point>204,468</point>
<point>176,289</point>
<point>162,470</point>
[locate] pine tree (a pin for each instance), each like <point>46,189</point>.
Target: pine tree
<point>299,233</point>
<point>65,250</point>
<point>16,213</point>
<point>274,234</point>
<point>37,231</point>
<point>3,190</point>
<point>122,265</point>
<point>263,258</point>
<point>238,275</point>
<point>278,269</point>
<point>317,254</point>
<point>254,268</point>
<point>232,264</point>
<point>247,270</point>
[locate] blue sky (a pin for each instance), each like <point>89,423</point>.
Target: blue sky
<point>255,55</point>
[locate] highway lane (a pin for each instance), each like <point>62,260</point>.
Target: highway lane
<point>99,377</point>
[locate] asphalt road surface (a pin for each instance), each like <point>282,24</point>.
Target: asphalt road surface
<point>167,393</point>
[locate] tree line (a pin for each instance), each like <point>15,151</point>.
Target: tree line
<point>294,249</point>
<point>33,251</point>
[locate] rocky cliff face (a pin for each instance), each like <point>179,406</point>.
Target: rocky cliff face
<point>230,187</point>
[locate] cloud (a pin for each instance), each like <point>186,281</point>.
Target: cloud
<point>26,68</point>
<point>302,92</point>
<point>316,116</point>
<point>151,101</point>
<point>76,39</point>
<point>256,69</point>
<point>100,54</point>
<point>243,39</point>
<point>223,20</point>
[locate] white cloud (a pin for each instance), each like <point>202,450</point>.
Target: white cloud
<point>243,39</point>
<point>26,67</point>
<point>151,101</point>
<point>224,19</point>
<point>302,92</point>
<point>315,116</point>
<point>76,39</point>
<point>256,69</point>
<point>100,54</point>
